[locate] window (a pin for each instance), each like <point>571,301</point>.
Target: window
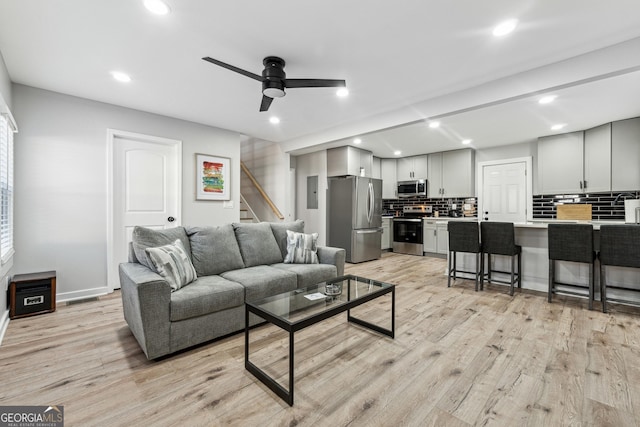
<point>6,186</point>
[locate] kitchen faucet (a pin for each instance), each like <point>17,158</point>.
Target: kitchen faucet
<point>621,195</point>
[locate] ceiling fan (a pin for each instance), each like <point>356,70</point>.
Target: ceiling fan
<point>274,79</point>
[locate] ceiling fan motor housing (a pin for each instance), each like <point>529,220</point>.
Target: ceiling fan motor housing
<point>274,77</point>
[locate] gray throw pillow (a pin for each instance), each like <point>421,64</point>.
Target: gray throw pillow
<point>280,232</point>
<point>172,262</point>
<point>144,238</point>
<point>257,244</point>
<point>301,248</point>
<point>214,250</point>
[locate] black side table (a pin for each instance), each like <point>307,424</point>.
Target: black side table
<point>31,294</point>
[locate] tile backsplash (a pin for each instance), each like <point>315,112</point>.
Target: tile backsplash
<point>443,206</point>
<point>544,206</point>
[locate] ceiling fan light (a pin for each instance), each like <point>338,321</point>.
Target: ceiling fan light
<point>273,92</point>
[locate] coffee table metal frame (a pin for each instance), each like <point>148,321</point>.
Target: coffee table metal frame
<point>293,326</point>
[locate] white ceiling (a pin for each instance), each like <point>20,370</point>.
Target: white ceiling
<point>403,62</point>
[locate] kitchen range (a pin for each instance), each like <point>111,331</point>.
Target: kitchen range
<point>407,230</point>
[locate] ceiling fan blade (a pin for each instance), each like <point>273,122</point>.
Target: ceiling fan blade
<point>266,103</point>
<point>293,83</point>
<point>232,68</point>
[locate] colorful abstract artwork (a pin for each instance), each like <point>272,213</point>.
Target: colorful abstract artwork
<point>212,177</point>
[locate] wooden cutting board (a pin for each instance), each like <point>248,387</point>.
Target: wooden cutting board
<point>576,212</point>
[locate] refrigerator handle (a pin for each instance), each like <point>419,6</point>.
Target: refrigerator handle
<point>372,200</point>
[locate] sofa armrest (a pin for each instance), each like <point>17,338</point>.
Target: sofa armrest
<point>331,255</point>
<point>146,302</point>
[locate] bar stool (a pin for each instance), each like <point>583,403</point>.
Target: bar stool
<point>464,236</point>
<point>571,242</point>
<point>498,238</point>
<point>620,247</point>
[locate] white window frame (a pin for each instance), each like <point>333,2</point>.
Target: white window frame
<point>7,129</point>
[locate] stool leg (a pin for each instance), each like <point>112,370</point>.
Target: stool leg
<point>591,274</point>
<point>451,255</point>
<point>481,271</point>
<point>488,267</point>
<point>520,270</point>
<point>603,290</point>
<point>477,269</point>
<point>551,279</point>
<point>513,267</point>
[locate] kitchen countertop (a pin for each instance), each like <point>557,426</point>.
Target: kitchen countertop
<point>536,223</point>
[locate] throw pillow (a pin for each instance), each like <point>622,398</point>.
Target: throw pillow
<point>301,248</point>
<point>280,232</point>
<point>144,238</point>
<point>172,262</point>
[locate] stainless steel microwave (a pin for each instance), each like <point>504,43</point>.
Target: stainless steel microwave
<point>417,187</point>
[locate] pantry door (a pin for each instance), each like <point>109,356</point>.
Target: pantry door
<point>505,190</point>
<point>145,190</point>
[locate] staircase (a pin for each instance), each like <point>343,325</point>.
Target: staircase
<point>245,213</point>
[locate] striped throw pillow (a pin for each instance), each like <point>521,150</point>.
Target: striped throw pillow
<point>301,248</point>
<point>172,262</point>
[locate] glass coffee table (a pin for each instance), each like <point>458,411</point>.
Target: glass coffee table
<point>298,309</point>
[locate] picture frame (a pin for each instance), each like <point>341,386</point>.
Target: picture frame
<point>213,177</point>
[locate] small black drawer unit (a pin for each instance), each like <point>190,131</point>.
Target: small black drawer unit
<point>31,294</point>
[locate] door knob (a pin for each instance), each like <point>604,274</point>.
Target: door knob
<point>171,219</point>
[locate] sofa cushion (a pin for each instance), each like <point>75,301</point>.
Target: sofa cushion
<point>257,244</point>
<point>310,274</point>
<point>279,230</point>
<point>263,281</point>
<point>144,238</point>
<point>301,248</point>
<point>207,295</point>
<point>214,250</point>
<point>172,262</point>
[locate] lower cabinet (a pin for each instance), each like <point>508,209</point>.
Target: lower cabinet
<point>387,233</point>
<point>435,237</point>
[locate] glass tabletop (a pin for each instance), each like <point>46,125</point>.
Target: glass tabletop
<point>300,304</point>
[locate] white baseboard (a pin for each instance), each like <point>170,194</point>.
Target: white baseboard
<point>83,294</point>
<point>4,323</point>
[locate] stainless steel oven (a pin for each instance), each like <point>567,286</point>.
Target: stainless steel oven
<point>407,236</point>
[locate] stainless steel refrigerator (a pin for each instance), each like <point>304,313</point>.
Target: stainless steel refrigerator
<point>354,216</point>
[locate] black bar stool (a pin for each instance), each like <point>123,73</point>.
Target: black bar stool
<point>571,242</point>
<point>464,236</point>
<point>620,247</point>
<point>498,238</point>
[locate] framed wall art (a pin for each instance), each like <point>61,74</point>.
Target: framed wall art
<point>213,179</point>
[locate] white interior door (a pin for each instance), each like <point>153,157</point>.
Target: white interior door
<point>146,190</point>
<point>504,192</point>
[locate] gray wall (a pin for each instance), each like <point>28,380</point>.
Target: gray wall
<point>61,182</point>
<point>5,84</point>
<point>6,269</point>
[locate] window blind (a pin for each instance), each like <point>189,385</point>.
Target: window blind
<point>6,187</point>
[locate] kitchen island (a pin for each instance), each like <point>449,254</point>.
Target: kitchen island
<point>532,236</point>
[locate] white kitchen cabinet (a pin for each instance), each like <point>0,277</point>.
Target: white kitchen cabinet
<point>387,233</point>
<point>389,182</point>
<point>375,171</point>
<point>435,237</point>
<point>411,168</point>
<point>575,162</point>
<point>625,155</point>
<point>451,174</point>
<point>349,160</point>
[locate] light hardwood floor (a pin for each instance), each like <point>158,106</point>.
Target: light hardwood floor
<point>459,358</point>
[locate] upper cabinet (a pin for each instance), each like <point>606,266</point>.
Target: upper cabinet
<point>451,174</point>
<point>376,172</point>
<point>414,167</point>
<point>597,159</point>
<point>561,163</point>
<point>625,155</point>
<point>388,172</point>
<point>349,160</point>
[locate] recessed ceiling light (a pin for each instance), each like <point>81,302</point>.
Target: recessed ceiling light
<point>397,153</point>
<point>434,125</point>
<point>157,6</point>
<point>505,27</point>
<point>120,76</point>
<point>558,126</point>
<point>342,92</point>
<point>357,141</point>
<point>274,120</point>
<point>466,141</point>
<point>547,99</point>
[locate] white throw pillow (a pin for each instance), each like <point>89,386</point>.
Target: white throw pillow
<point>172,262</point>
<point>301,248</point>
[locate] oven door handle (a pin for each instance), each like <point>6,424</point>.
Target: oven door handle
<point>369,231</point>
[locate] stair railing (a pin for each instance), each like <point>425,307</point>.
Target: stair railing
<point>263,194</point>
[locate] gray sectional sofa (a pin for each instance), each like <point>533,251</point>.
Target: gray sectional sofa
<point>234,263</point>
